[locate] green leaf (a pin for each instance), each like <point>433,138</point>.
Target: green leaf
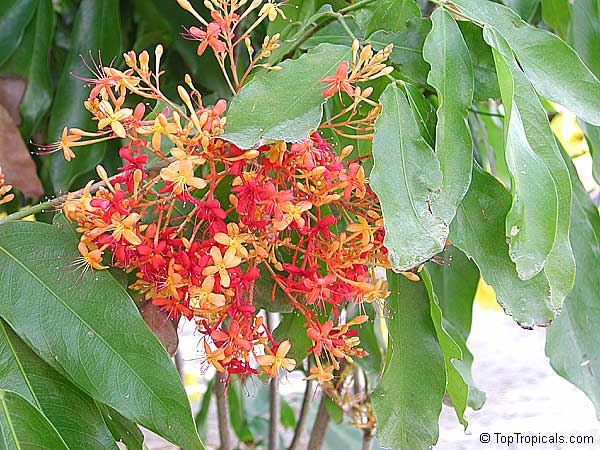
<point>556,13</point>
<point>405,176</point>
<point>237,413</point>
<point>94,31</point>
<point>373,362</point>
<point>408,400</point>
<point>478,230</point>
<point>335,33</point>
<point>100,343</point>
<point>584,37</point>
<point>424,113</point>
<point>387,15</point>
<point>292,327</point>
<point>407,54</point>
<point>24,427</point>
<point>454,284</point>
<point>543,57</point>
<point>284,105</point>
<point>72,412</point>
<point>15,15</point>
<point>268,295</point>
<point>573,341</point>
<point>31,61</point>
<point>452,76</point>
<point>525,8</point>
<point>202,415</point>
<point>539,220</point>
<point>484,70</point>
<point>122,429</point>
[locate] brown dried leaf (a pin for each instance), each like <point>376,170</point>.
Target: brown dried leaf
<point>19,168</point>
<point>12,90</point>
<point>163,328</point>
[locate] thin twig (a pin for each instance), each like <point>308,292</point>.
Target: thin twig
<point>56,202</point>
<point>303,416</point>
<point>223,413</point>
<point>274,413</point>
<point>317,436</point>
<point>367,439</point>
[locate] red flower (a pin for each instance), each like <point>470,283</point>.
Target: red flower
<point>338,82</point>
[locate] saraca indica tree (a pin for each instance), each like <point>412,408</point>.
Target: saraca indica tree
<point>341,175</point>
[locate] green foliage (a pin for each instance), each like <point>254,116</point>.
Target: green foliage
<point>465,166</point>
<point>405,174</point>
<point>55,317</point>
<point>408,398</point>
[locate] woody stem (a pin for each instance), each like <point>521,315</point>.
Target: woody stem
<point>223,413</point>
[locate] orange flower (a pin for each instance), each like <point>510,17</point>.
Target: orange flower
<point>114,118</point>
<point>293,213</point>
<point>362,229</point>
<point>204,297</point>
<point>272,363</point>
<point>92,258</point>
<point>321,374</point>
<point>181,174</point>
<point>221,264</point>
<point>338,82</point>
<point>124,228</point>
<point>233,240</point>
<point>214,358</point>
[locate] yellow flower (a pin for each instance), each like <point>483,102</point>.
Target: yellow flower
<point>221,264</point>
<point>124,228</point>
<point>214,358</point>
<point>204,297</point>
<point>271,9</point>
<point>113,118</point>
<point>363,229</point>
<point>233,240</point>
<point>92,258</point>
<point>181,174</point>
<point>272,363</point>
<point>293,213</point>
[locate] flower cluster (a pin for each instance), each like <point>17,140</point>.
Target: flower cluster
<point>197,221</point>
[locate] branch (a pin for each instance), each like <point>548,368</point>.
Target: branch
<point>317,436</point>
<point>274,413</point>
<point>56,202</point>
<point>367,439</point>
<point>303,417</point>
<point>223,413</point>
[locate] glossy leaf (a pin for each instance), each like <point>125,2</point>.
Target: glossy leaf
<point>539,219</point>
<point>406,175</point>
<point>15,15</point>
<point>484,70</point>
<point>584,36</point>
<point>525,8</point>
<point>408,399</point>
<point>31,61</point>
<point>22,426</point>
<point>456,388</point>
<point>74,415</point>
<point>387,15</point>
<point>292,327</point>
<point>122,429</point>
<point>407,54</point>
<point>284,105</point>
<point>202,415</point>
<point>556,13</point>
<point>478,230</point>
<point>452,77</point>
<point>424,113</point>
<point>90,330</point>
<point>543,57</point>
<point>455,282</point>
<point>93,32</point>
<point>572,341</point>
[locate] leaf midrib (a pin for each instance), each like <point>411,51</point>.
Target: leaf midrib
<point>69,309</point>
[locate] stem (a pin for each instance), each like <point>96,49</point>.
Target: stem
<point>311,31</point>
<point>223,413</point>
<point>56,202</point>
<point>303,417</point>
<point>274,413</point>
<point>317,436</point>
<point>367,439</point>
